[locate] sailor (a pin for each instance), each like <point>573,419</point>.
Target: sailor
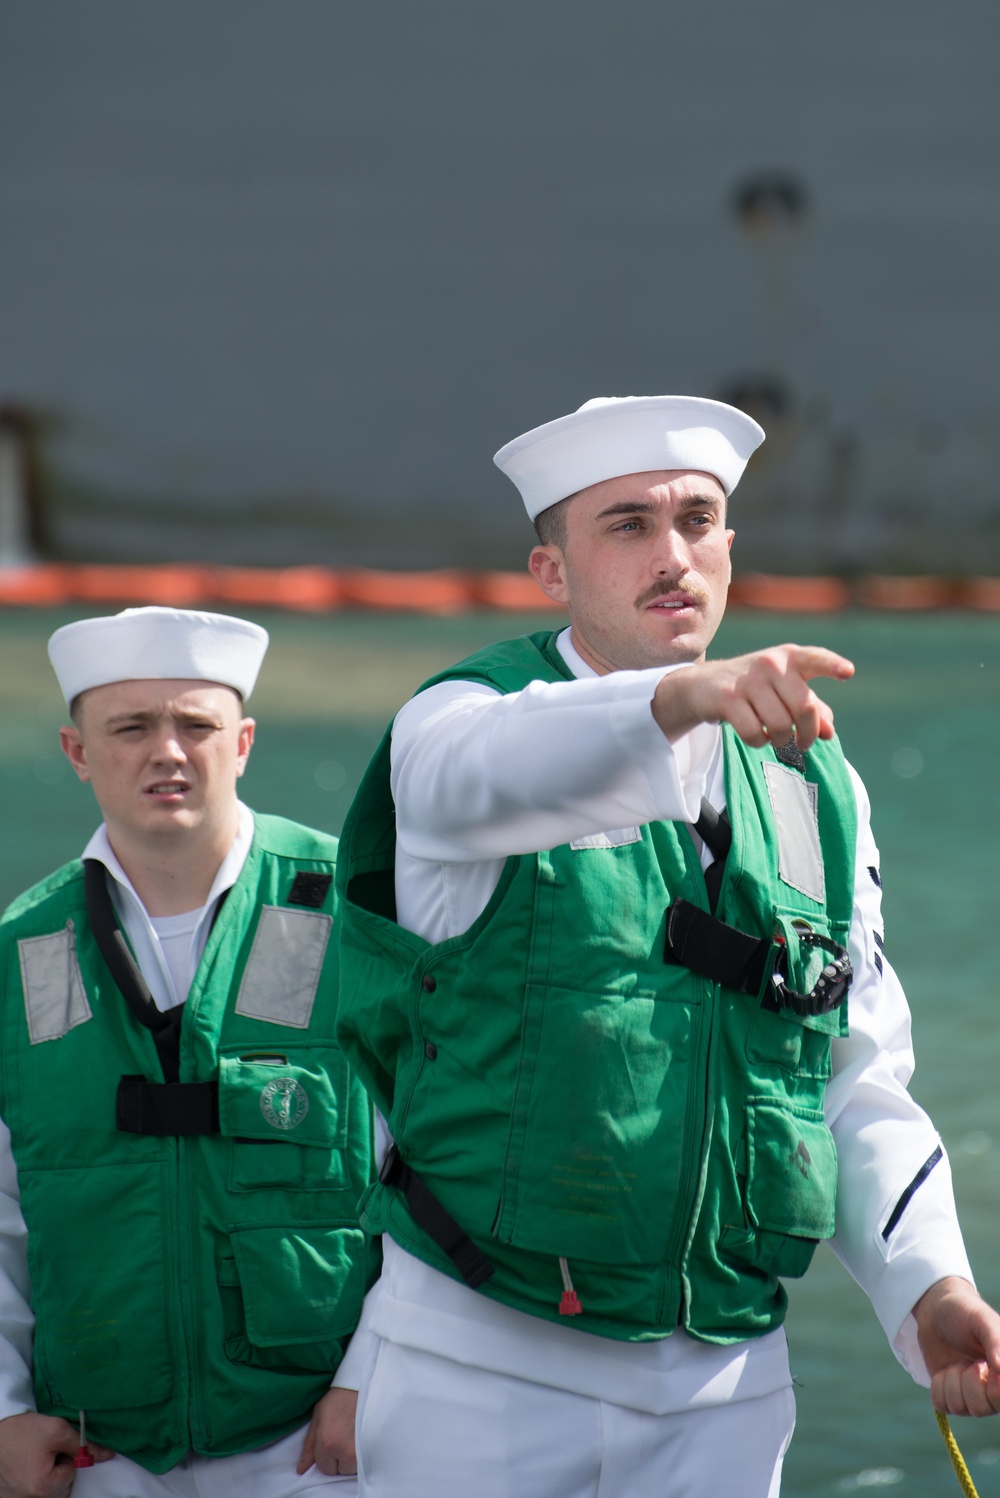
<point>613,970</point>
<point>182,1147</point>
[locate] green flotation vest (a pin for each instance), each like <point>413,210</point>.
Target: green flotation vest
<point>567,1094</point>
<point>190,1292</point>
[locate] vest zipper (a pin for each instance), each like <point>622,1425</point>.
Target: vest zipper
<point>691,1186</point>
<point>197,1422</point>
<point>186,1216</point>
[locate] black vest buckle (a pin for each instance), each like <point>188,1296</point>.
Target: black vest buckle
<point>827,993</point>
<point>167,1108</point>
<point>735,959</point>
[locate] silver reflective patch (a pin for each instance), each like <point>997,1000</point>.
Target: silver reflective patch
<point>280,981</point>
<point>794,804</point>
<point>617,838</point>
<point>55,1000</point>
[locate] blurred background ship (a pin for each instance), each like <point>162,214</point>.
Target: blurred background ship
<point>278,280</point>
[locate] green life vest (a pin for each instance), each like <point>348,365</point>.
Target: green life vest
<point>189,1292</point>
<point>566,1093</point>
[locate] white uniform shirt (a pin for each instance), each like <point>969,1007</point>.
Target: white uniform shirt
<point>478,776</point>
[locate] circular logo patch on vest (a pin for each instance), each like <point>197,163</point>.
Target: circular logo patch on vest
<point>284,1103</point>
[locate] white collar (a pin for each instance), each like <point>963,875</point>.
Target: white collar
<point>581,669</point>
<point>228,872</point>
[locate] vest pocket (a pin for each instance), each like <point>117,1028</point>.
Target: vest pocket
<point>289,1095</point>
<point>598,1117</point>
<point>286,1117</point>
<point>790,1191</point>
<point>805,964</point>
<point>95,1325</point>
<point>784,1039</point>
<point>290,1296</point>
<point>798,1043</point>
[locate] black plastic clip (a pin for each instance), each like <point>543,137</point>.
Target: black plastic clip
<point>830,988</point>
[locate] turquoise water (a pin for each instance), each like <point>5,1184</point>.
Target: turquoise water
<point>921,722</point>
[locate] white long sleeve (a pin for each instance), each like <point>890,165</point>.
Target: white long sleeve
<point>17,1324</point>
<point>483,775</point>
<point>477,776</point>
<point>884,1138</point>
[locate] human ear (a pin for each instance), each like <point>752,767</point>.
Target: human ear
<point>245,744</point>
<point>71,745</point>
<point>547,566</point>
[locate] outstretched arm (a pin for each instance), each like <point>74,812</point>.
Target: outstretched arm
<point>477,774</point>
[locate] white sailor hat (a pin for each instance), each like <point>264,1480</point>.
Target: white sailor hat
<point>157,643</point>
<point>614,435</point>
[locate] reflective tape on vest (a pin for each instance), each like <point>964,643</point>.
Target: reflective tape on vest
<point>55,1000</point>
<point>282,975</point>
<point>795,807</point>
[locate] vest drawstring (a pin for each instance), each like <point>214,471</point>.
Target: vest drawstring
<point>570,1303</point>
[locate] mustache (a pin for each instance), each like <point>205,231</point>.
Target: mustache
<point>663,587</point>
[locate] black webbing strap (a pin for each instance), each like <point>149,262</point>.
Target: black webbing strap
<point>715,831</point>
<point>709,947</point>
<point>173,1108</point>
<point>428,1213</point>
<point>125,970</point>
<point>135,990</point>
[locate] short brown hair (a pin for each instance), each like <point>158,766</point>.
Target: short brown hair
<point>550,524</point>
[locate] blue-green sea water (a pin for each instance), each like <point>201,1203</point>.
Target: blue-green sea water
<point>920,721</point>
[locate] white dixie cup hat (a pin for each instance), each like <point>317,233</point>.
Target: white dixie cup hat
<point>614,435</point>
<point>157,644</point>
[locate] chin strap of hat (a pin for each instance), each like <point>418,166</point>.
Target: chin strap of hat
<point>143,1107</point>
<point>737,960</point>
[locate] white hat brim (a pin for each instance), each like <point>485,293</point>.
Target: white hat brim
<point>158,644</point>
<point>609,437</point>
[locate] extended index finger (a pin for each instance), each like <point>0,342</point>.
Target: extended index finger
<point>816,660</point>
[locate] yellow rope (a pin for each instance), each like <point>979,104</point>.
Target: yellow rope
<point>961,1470</point>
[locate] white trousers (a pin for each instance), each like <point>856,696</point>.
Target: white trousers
<point>267,1473</point>
<point>432,1428</point>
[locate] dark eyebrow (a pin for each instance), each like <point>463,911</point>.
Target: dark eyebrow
<point>646,507</point>
<point>701,502</point>
<point>626,507</point>
<point>136,717</point>
<point>142,715</point>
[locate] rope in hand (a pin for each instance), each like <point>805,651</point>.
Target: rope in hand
<point>958,1462</point>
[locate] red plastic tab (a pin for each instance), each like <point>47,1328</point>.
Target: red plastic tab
<point>570,1304</point>
<point>83,1457</point>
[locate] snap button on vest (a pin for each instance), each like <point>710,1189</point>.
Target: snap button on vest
<point>429,982</point>
<point>430,1050</point>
